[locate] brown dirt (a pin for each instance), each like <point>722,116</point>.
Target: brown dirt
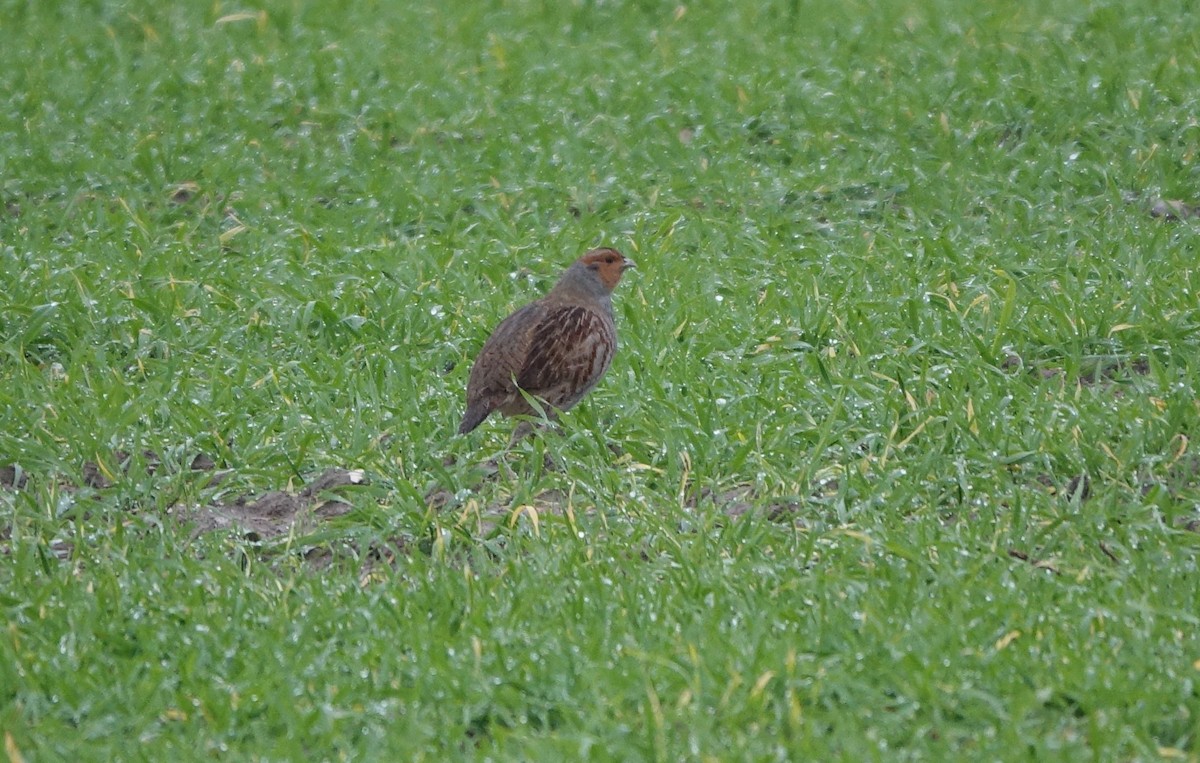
<point>13,478</point>
<point>482,521</point>
<point>1041,564</point>
<point>275,513</point>
<point>262,517</point>
<point>1173,209</point>
<point>1100,371</point>
<point>743,499</point>
<point>1180,482</point>
<point>279,513</point>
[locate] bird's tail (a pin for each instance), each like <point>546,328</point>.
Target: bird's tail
<point>474,416</point>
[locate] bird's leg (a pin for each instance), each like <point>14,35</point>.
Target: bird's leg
<point>522,430</point>
<point>528,427</point>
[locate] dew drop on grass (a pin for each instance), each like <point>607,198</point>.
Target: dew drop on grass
<point>65,503</point>
<point>436,311</point>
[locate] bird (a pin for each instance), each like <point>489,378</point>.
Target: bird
<point>555,349</point>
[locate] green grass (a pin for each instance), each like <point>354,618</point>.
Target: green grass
<point>897,283</point>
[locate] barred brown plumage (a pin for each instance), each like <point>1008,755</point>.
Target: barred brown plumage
<point>555,349</point>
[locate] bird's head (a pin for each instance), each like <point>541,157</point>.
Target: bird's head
<point>607,264</point>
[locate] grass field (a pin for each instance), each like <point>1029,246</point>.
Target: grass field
<point>895,461</point>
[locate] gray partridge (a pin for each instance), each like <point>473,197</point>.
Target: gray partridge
<point>555,349</point>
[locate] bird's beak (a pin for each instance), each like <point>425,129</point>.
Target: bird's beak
<point>628,264</point>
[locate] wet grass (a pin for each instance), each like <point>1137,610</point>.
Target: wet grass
<point>895,460</point>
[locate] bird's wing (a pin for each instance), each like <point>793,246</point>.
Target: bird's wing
<point>503,354</point>
<point>571,345</point>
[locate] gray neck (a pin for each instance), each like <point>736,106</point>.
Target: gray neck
<point>580,283</point>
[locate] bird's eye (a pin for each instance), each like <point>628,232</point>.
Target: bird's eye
<point>610,260</point>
